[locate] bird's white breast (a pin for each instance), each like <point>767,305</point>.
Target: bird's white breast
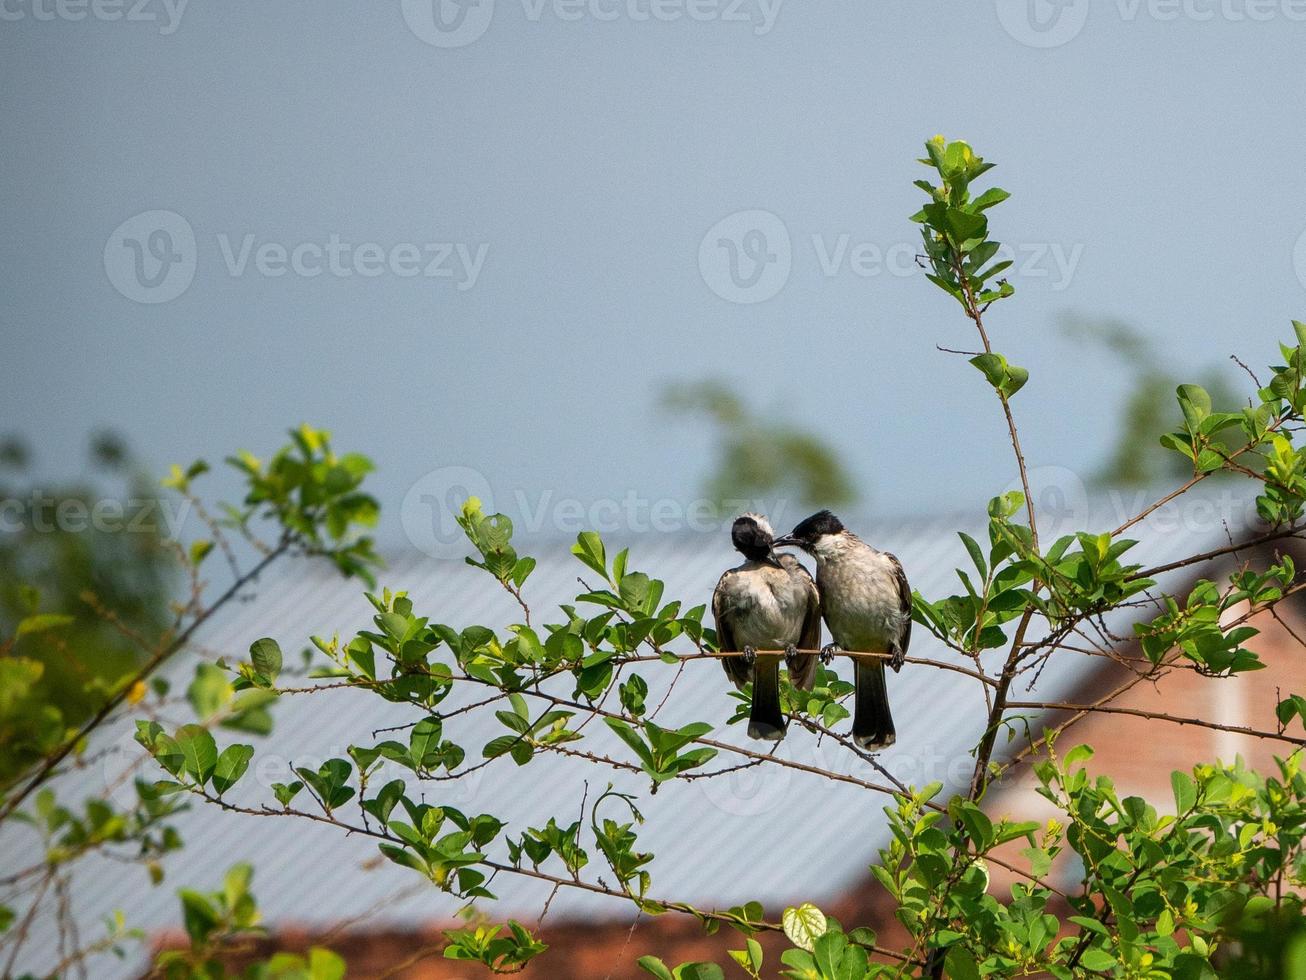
<point>860,597</point>
<point>767,607</point>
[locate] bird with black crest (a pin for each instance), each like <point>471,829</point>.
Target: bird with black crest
<point>866,602</point>
<point>768,603</point>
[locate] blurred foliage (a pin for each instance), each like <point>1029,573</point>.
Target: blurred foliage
<point>101,540</point>
<point>1137,459</point>
<point>218,923</point>
<point>757,456</point>
<point>86,619</point>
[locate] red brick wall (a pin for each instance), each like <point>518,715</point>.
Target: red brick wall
<point>1140,753</point>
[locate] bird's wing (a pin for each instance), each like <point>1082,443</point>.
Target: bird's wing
<point>734,667</point>
<point>802,668</point>
<point>810,639</point>
<point>720,615</point>
<point>904,603</point>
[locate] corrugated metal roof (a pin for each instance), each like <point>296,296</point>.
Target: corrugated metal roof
<point>768,833</point>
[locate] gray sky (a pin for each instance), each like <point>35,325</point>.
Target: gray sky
<point>571,169</point>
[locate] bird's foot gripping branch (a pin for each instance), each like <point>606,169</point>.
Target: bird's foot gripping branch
<point>1203,883</point>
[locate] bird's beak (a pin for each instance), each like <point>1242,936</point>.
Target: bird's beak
<point>773,560</point>
<point>787,541</point>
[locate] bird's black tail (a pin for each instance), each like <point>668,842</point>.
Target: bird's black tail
<point>872,720</point>
<point>765,720</point>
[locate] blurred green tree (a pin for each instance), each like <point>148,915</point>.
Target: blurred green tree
<point>759,456</point>
<point>68,549</point>
<point>1137,459</point>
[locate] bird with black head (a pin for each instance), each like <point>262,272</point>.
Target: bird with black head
<point>767,603</point>
<point>866,603</point>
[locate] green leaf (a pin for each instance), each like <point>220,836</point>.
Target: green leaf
<point>323,964</point>
<point>1195,403</point>
<point>1165,923</point>
<point>360,653</point>
<point>1006,378</point>
<point>992,196</point>
<point>522,570</point>
<point>589,549</point>
<point>198,915</point>
<point>1097,960</point>
<point>1080,753</point>
<point>631,738</point>
<point>1092,925</point>
<point>976,554</point>
<point>959,964</point>
<point>653,965</point>
<point>199,752</point>
<point>1016,378</point>
<point>42,622</point>
<point>210,692</point>
<point>700,971</point>
<point>1185,791</point>
<point>425,738</point>
<point>804,925</point>
<point>265,655</point>
<point>231,765</point>
<point>961,226</point>
<point>978,825</point>
<point>199,550</point>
